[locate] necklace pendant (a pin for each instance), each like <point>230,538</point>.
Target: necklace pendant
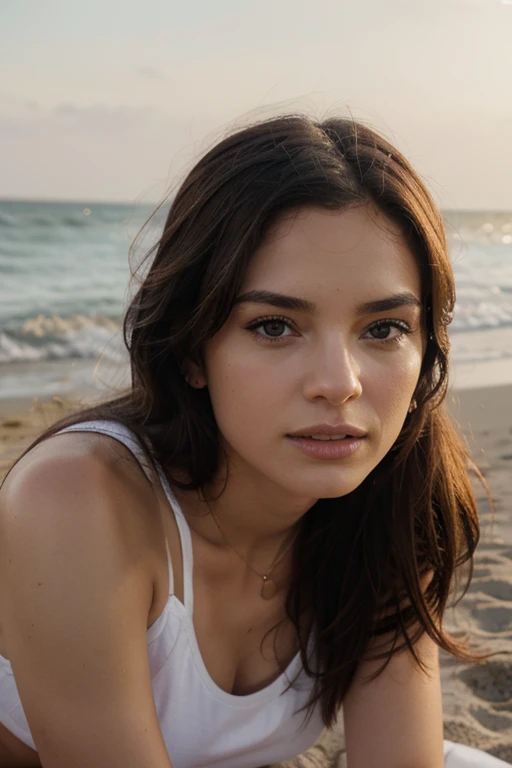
<point>268,588</point>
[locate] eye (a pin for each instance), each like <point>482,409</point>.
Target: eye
<point>383,328</point>
<point>272,326</point>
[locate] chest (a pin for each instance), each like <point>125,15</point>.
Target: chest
<point>217,670</point>
<point>245,642</point>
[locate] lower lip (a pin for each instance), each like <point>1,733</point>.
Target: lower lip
<point>327,449</point>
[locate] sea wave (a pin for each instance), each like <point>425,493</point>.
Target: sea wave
<point>7,219</point>
<point>61,338</point>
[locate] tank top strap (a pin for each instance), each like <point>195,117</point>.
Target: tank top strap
<point>170,569</point>
<point>122,433</point>
<point>186,543</point>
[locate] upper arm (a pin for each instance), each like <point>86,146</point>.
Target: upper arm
<point>74,607</point>
<point>395,720</point>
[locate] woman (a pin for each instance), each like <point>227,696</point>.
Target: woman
<point>285,435</point>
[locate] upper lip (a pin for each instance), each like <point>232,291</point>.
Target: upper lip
<point>329,429</point>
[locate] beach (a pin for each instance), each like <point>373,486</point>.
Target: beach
<point>477,699</point>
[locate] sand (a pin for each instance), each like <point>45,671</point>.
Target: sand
<point>477,699</point>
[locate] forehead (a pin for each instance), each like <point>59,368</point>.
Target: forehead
<point>358,251</point>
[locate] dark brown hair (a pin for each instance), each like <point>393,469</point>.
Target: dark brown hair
<point>361,561</point>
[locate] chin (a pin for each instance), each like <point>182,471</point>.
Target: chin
<point>341,490</point>
<point>329,489</point>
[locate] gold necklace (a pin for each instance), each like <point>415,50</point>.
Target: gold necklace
<point>269,587</point>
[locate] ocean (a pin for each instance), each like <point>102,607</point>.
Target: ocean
<point>65,283</point>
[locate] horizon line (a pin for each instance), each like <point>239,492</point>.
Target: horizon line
<point>90,201</point>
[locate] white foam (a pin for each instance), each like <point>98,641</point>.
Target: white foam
<point>56,338</point>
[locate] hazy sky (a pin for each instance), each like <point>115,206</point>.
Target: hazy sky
<point>105,100</point>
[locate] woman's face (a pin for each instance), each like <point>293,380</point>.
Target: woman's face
<point>273,370</point>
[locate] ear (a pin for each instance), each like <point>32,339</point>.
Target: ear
<point>193,374</point>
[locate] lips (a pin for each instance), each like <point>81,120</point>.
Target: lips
<point>327,449</point>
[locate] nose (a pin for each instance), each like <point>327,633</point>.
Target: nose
<point>333,373</point>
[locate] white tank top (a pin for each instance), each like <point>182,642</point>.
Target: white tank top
<point>202,725</point>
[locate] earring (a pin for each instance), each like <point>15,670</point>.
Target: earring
<point>412,406</point>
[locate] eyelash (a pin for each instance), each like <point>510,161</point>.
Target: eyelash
<point>400,324</point>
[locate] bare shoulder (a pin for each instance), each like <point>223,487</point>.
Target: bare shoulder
<point>80,448</point>
<point>77,482</point>
<point>78,463</point>
<point>75,595</point>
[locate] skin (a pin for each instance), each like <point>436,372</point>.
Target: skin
<point>328,366</point>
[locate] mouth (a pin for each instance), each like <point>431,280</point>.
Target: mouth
<point>327,446</point>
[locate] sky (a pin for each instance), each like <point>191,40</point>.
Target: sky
<point>109,100</point>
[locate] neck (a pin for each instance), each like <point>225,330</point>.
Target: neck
<point>252,517</point>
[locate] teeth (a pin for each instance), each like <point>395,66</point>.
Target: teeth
<point>327,437</point>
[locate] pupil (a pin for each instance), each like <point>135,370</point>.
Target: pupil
<point>273,324</point>
<point>382,331</point>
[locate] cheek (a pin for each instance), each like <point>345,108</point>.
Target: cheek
<point>391,394</point>
<point>245,393</point>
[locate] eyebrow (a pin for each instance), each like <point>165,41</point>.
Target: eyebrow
<point>405,299</point>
